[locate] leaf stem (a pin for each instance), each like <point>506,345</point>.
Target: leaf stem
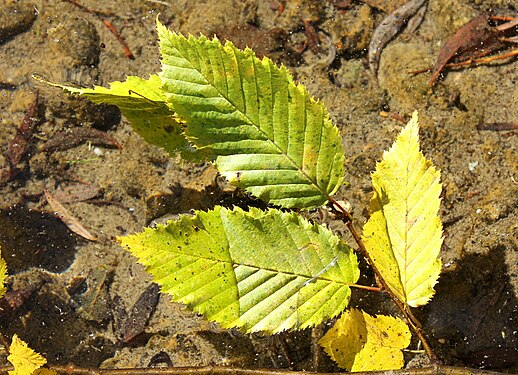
<point>405,309</point>
<point>366,287</point>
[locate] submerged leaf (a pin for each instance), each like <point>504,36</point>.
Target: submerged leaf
<point>389,27</point>
<point>265,132</point>
<point>361,342</point>
<point>475,39</point>
<point>143,103</point>
<point>24,359</point>
<point>404,234</point>
<point>260,271</point>
<point>75,136</point>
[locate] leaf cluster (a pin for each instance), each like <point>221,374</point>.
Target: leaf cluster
<point>273,270</point>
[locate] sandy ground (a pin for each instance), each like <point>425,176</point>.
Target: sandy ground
<point>73,292</point>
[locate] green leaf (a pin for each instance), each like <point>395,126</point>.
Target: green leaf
<point>266,133</point>
<point>144,105</point>
<point>361,342</point>
<point>260,271</point>
<point>404,234</point>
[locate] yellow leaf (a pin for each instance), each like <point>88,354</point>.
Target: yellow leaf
<point>360,342</point>
<point>3,275</point>
<point>24,359</point>
<point>404,234</point>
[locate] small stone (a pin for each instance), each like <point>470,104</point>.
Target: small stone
<point>15,19</point>
<point>75,42</point>
<point>351,32</point>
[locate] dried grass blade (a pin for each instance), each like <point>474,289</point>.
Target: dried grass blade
<point>507,25</point>
<point>71,222</point>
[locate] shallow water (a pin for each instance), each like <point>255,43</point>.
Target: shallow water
<point>472,320</point>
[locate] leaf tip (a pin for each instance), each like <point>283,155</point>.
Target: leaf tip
<point>3,275</point>
<point>161,29</point>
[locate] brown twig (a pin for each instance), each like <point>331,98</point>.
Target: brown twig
<point>125,47</point>
<point>483,60</point>
<point>220,370</point>
<point>511,22</point>
<point>108,24</point>
<point>366,287</point>
<point>412,321</point>
<point>498,126</point>
<point>348,220</point>
<point>469,62</point>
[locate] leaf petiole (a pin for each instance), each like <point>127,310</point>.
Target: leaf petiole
<point>365,287</point>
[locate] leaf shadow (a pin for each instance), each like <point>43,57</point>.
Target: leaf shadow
<point>286,350</point>
<point>473,318</point>
<point>32,238</point>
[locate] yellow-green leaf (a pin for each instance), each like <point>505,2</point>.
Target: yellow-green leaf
<point>257,270</point>
<point>143,102</point>
<point>404,234</point>
<point>266,133</point>
<point>24,359</point>
<point>3,275</point>
<point>361,342</point>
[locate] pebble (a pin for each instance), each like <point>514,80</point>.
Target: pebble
<point>74,42</point>
<point>352,31</point>
<point>75,39</point>
<point>15,19</point>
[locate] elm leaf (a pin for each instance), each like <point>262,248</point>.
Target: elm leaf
<point>259,270</point>
<point>3,275</point>
<point>266,134</point>
<point>361,342</point>
<point>143,103</point>
<point>404,234</point>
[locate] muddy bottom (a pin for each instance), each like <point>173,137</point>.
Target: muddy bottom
<point>89,303</point>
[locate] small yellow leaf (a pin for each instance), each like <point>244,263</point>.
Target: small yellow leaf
<point>404,234</point>
<point>24,359</point>
<point>346,338</point>
<point>360,342</point>
<point>3,275</point>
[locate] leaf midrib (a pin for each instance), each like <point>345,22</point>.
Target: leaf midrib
<point>268,269</point>
<point>403,272</point>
